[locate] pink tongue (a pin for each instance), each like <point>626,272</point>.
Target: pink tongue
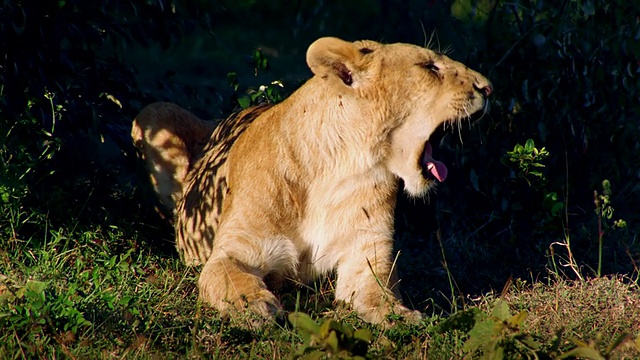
<point>436,168</point>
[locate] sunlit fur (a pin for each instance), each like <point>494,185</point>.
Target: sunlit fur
<point>308,186</point>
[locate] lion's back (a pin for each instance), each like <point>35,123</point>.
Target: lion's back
<point>199,209</point>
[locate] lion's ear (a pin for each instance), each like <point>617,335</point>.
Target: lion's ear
<point>330,55</point>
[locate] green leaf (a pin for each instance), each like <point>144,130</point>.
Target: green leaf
<point>606,187</point>
<point>124,301</point>
<point>332,342</point>
<point>244,101</point>
<point>529,145</point>
<point>37,305</point>
<point>304,322</point>
<point>325,328</point>
<point>582,352</point>
<point>36,286</point>
<point>501,310</point>
<point>461,320</point>
<point>468,11</point>
<point>531,344</point>
<point>550,200</point>
<point>622,338</point>
<point>518,318</point>
<point>315,355</point>
<point>363,334</point>
<point>461,10</point>
<point>341,328</point>
<point>588,8</point>
<point>480,335</point>
<point>557,208</point>
<point>495,353</point>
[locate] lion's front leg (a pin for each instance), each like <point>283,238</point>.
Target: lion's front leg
<point>231,286</point>
<point>367,281</point>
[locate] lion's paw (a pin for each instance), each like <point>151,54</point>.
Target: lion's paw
<point>413,317</point>
<point>263,304</point>
<point>248,297</point>
<point>390,314</point>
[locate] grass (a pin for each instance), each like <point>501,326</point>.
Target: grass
<point>105,292</point>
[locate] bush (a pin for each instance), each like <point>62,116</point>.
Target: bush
<point>67,101</point>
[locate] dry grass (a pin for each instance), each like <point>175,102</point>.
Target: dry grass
<point>600,308</point>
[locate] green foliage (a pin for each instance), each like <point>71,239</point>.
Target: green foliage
<point>30,310</point>
<point>500,335</point>
<point>604,212</point>
<point>64,134</point>
<point>272,93</point>
<point>20,161</point>
<point>96,291</point>
<point>598,349</point>
<point>332,338</point>
<point>527,160</point>
<point>552,204</point>
<point>476,12</point>
<point>565,75</point>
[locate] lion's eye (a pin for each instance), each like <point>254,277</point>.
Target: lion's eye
<point>430,66</point>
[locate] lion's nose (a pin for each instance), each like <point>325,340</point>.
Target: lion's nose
<point>484,89</point>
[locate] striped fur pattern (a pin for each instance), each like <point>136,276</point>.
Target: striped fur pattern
<point>187,161</point>
<point>199,210</point>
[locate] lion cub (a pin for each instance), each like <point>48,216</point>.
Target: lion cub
<point>306,187</point>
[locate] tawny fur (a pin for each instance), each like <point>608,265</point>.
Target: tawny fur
<point>170,138</point>
<point>308,186</point>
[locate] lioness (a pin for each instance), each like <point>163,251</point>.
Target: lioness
<point>307,186</point>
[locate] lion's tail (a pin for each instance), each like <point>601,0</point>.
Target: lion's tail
<point>170,139</point>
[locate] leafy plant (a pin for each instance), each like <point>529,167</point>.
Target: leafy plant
<point>332,338</point>
<point>21,160</point>
<point>499,336</point>
<point>270,93</point>
<point>527,161</point>
<point>31,309</point>
<point>63,130</point>
<point>604,212</point>
<point>598,349</point>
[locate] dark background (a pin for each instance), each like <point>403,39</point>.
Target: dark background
<point>73,75</point>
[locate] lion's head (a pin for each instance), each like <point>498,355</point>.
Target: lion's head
<point>410,91</point>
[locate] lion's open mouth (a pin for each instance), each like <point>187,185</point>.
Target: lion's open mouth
<point>432,168</point>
